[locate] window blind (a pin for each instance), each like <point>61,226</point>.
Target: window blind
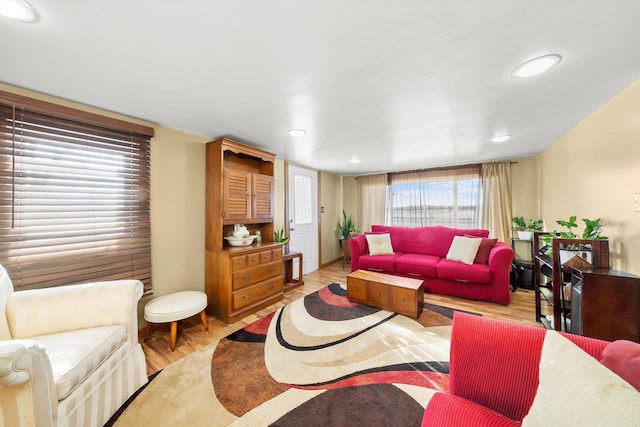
<point>74,196</point>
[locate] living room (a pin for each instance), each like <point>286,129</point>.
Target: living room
<point>592,170</point>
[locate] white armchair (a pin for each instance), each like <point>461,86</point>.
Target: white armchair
<point>69,355</point>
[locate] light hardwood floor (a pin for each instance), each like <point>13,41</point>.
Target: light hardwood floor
<point>192,336</point>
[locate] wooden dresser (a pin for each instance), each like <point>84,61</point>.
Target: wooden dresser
<point>240,190</point>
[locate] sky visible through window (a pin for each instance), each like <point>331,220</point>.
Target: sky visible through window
<point>453,203</point>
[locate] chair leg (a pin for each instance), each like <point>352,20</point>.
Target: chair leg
<point>205,323</point>
<point>174,333</point>
<point>148,331</point>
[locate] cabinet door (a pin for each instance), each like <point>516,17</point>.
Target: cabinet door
<point>236,198</point>
<point>262,196</point>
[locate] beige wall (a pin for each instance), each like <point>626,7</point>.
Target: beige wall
<point>330,200</point>
<point>594,170</point>
<point>524,188</point>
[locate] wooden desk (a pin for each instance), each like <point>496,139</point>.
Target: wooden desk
<point>289,281</point>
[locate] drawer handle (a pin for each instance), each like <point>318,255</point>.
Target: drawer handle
<point>402,299</point>
<point>272,286</point>
<point>246,297</point>
<point>271,270</point>
<point>246,277</point>
<point>356,289</point>
<point>378,294</point>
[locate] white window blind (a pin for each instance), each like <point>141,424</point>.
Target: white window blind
<point>74,195</point>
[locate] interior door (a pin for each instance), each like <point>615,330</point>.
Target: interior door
<point>303,216</point>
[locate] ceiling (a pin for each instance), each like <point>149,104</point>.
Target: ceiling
<point>398,84</point>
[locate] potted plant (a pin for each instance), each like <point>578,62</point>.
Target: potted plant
<point>592,231</point>
<point>525,228</point>
<point>279,237</point>
<point>346,228</point>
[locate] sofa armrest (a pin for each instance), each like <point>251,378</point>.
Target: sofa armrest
<point>359,247</point>
<point>27,389</point>
<point>67,308</point>
<point>447,410</point>
<point>500,259</point>
<point>495,363</point>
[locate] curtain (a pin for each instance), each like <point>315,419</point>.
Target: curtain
<point>372,201</point>
<point>441,196</point>
<point>74,195</point>
<point>496,190</point>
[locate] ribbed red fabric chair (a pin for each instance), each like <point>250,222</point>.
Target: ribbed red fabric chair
<point>494,370</point>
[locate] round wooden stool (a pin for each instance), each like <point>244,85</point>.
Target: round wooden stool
<point>174,307</point>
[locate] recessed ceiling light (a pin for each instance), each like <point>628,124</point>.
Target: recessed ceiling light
<point>501,138</point>
<point>536,66</point>
<point>355,160</point>
<point>297,132</point>
<point>19,10</point>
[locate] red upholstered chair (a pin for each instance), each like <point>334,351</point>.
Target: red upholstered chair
<point>494,370</point>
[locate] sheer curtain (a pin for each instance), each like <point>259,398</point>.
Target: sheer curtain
<point>442,196</point>
<point>496,190</point>
<point>372,201</point>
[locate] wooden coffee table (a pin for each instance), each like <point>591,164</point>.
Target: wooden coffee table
<point>399,294</point>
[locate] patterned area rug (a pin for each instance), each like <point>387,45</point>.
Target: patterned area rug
<point>319,361</point>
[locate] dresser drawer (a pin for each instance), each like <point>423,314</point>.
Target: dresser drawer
<point>238,262</point>
<point>250,276</point>
<point>407,301</point>
<point>378,294</point>
<point>256,293</point>
<point>276,254</point>
<point>356,289</point>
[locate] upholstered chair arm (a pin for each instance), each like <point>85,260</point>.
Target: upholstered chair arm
<point>67,308</point>
<point>359,247</point>
<point>27,390</point>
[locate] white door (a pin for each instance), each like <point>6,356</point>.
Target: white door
<point>303,217</point>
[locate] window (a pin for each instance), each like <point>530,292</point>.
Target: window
<point>446,196</point>
<point>74,195</point>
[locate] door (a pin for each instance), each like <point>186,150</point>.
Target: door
<point>303,216</point>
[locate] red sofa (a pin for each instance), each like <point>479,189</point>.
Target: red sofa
<point>420,252</point>
<point>494,370</point>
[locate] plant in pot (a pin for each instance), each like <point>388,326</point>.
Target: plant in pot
<point>279,237</point>
<point>346,229</point>
<point>592,231</point>
<point>526,228</point>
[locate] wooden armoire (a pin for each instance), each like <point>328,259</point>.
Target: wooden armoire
<point>240,190</point>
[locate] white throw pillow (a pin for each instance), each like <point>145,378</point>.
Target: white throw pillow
<point>379,244</point>
<point>577,390</point>
<point>464,249</point>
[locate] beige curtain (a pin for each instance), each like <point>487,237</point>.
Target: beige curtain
<point>372,201</point>
<point>496,199</point>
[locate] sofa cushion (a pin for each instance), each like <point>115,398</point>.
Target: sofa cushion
<point>453,270</point>
<point>422,265</point>
<point>623,358</point>
<point>482,257</point>
<point>74,355</point>
<point>384,263</point>
<point>379,244</point>
<point>463,249</point>
<point>575,389</point>
<point>428,240</point>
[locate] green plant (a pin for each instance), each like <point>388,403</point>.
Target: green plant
<point>519,224</point>
<point>279,236</point>
<point>592,230</point>
<point>347,227</point>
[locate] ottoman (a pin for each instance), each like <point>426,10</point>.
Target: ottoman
<point>174,307</point>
